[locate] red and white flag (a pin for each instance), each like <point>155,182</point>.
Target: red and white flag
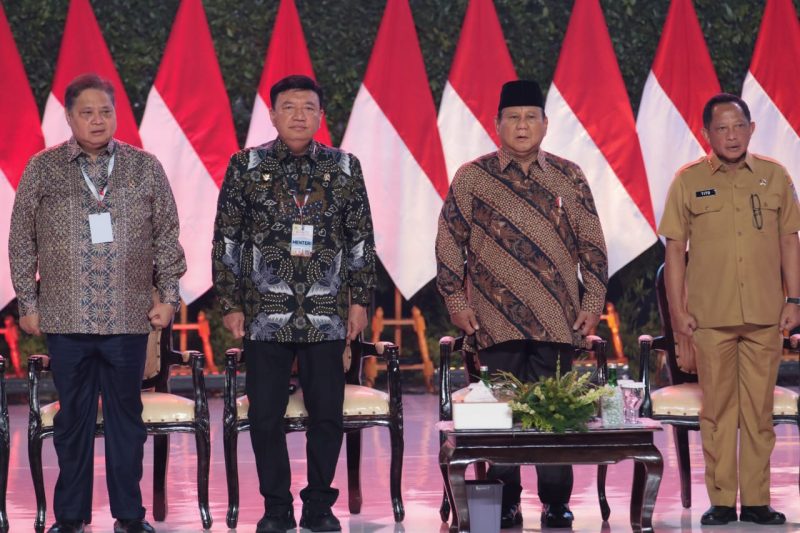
<point>83,50</point>
<point>188,125</point>
<point>591,123</point>
<point>480,67</point>
<point>287,54</point>
<point>771,85</point>
<point>20,138</point>
<point>392,130</point>
<point>670,120</point>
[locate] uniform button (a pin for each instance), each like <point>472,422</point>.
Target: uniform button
<point>738,209</point>
<point>740,259</point>
<point>739,233</point>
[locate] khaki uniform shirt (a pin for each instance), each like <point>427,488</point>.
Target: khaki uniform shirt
<point>733,219</point>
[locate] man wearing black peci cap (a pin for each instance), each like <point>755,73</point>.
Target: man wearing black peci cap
<point>517,226</point>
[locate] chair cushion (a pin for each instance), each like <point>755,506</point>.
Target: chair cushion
<point>157,407</point>
<point>358,401</point>
<point>685,400</point>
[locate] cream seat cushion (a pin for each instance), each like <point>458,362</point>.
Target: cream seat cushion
<point>685,400</point>
<point>158,407</point>
<point>358,400</point>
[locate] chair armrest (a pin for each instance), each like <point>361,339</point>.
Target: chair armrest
<point>645,349</point>
<point>233,358</point>
<point>37,364</point>
<point>197,361</point>
<point>446,345</point>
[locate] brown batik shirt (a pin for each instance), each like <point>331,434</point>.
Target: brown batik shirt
<point>519,242</point>
<point>101,288</point>
<point>285,297</point>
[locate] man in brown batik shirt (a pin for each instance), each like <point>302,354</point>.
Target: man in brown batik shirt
<point>97,219</point>
<point>516,227</point>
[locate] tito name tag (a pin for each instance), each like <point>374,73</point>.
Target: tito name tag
<point>100,228</point>
<point>705,193</point>
<point>302,240</point>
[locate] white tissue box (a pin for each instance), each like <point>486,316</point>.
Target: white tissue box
<point>482,415</point>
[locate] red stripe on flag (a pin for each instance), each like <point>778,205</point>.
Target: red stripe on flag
<point>20,131</point>
<point>590,81</point>
<point>397,80</point>
<point>481,64</point>
<point>683,66</point>
<point>190,82</point>
<point>776,59</point>
<point>84,50</point>
<point>287,54</point>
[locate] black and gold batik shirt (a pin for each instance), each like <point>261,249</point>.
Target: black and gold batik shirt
<point>285,297</point>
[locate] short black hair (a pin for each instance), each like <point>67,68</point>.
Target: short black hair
<point>87,81</point>
<point>296,82</point>
<point>723,98</point>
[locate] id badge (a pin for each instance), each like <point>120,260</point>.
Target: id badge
<point>302,240</point>
<point>100,226</point>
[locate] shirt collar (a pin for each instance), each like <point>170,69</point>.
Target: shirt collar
<point>505,158</point>
<point>75,149</point>
<point>282,151</point>
<point>717,165</point>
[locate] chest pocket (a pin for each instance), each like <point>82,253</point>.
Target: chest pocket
<point>767,214</point>
<point>708,220</point>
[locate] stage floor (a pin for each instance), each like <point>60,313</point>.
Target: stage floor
<point>422,486</point>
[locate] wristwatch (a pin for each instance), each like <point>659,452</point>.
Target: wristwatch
<point>790,300</point>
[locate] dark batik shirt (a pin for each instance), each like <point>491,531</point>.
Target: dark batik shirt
<point>101,288</point>
<point>520,241</point>
<point>288,298</point>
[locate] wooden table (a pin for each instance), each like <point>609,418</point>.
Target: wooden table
<point>601,446</point>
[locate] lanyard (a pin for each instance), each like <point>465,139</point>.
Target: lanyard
<point>300,206</point>
<point>102,194</point>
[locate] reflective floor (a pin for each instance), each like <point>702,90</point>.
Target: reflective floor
<point>422,487</point>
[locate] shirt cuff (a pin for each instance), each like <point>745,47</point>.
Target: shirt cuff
<point>360,296</point>
<point>456,302</point>
<point>593,304</point>
<point>27,307</point>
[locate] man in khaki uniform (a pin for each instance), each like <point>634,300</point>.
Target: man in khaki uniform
<point>739,213</point>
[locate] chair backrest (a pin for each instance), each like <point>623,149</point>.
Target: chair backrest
<point>667,340</point>
<point>160,360</point>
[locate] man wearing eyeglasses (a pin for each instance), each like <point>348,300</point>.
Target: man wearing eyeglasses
<point>739,214</point>
<point>294,268</point>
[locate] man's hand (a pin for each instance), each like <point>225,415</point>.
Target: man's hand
<point>234,323</point>
<point>790,316</point>
<point>356,321</point>
<point>160,315</point>
<point>586,322</point>
<point>465,321</point>
<point>683,323</point>
<point>30,324</point>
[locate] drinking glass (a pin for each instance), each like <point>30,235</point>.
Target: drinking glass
<point>632,396</point>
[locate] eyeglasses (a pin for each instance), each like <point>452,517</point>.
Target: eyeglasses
<point>755,204</point>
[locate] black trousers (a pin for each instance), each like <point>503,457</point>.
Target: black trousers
<point>321,373</point>
<point>84,366</point>
<point>529,361</point>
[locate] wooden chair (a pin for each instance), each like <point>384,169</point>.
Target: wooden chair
<point>678,403</point>
<point>449,345</point>
<point>363,407</point>
<point>4,447</point>
<point>163,413</point>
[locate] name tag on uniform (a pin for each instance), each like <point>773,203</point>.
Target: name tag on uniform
<point>707,192</point>
<point>100,226</point>
<point>302,239</point>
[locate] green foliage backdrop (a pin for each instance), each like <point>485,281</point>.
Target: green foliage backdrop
<point>340,35</point>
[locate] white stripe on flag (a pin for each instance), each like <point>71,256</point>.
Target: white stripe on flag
<point>54,123</point>
<point>666,140</point>
<point>261,128</point>
<point>774,137</point>
<point>463,136</point>
<point>194,189</point>
<point>6,203</point>
<point>626,231</point>
<point>405,206</point>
